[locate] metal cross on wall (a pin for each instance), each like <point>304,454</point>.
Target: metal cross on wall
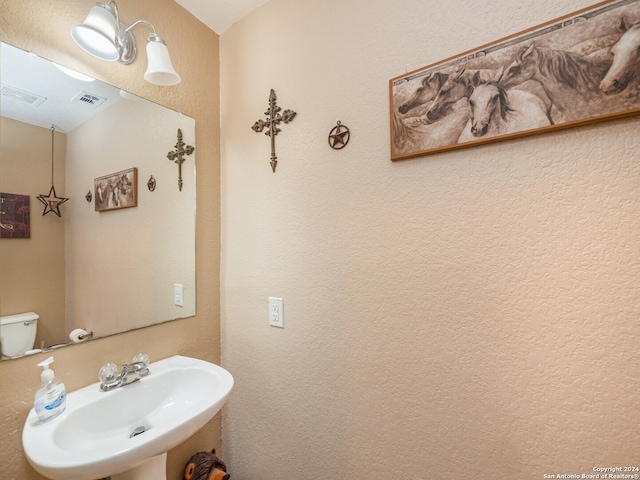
<point>176,156</point>
<point>273,119</point>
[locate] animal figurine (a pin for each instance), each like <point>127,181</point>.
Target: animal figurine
<point>206,466</point>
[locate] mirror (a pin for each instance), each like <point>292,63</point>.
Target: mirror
<point>106,271</point>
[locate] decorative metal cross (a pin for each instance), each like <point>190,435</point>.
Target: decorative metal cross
<point>176,156</point>
<point>273,119</point>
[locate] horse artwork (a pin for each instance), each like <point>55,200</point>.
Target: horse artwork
<point>495,111</point>
<point>626,62</point>
<point>575,70</point>
<point>117,190</point>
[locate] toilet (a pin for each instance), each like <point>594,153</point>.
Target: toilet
<point>18,333</point>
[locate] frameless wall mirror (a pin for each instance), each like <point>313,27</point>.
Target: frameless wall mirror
<point>99,267</point>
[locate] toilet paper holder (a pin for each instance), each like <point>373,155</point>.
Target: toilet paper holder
<point>84,336</point>
<point>80,335</point>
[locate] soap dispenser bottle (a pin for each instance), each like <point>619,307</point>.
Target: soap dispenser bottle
<point>51,398</point>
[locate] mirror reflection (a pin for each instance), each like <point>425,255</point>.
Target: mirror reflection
<point>122,255</point>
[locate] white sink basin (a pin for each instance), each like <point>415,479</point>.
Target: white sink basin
<point>92,438</point>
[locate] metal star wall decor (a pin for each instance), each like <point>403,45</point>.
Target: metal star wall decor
<point>273,120</point>
<point>339,136</point>
<point>176,156</point>
<point>52,201</point>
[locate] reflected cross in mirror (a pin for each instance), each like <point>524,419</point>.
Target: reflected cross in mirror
<point>176,156</point>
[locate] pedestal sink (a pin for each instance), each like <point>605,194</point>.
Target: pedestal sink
<point>125,433</point>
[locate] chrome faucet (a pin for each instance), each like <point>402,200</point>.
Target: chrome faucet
<point>131,372</point>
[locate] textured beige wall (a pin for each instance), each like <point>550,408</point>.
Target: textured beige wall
<point>472,314</point>
<point>36,281</point>
<point>44,28</point>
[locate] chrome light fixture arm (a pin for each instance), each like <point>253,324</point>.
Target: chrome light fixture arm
<point>153,36</point>
<point>126,41</point>
<point>153,29</point>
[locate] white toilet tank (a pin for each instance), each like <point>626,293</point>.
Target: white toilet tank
<point>18,333</point>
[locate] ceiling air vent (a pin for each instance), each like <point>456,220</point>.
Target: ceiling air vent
<point>88,99</point>
<point>22,95</point>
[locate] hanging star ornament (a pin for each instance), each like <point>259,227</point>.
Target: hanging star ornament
<point>52,202</point>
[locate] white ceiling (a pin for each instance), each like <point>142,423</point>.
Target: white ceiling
<point>66,101</point>
<point>219,15</point>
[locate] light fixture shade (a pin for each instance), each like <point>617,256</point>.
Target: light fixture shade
<point>97,35</point>
<point>160,70</point>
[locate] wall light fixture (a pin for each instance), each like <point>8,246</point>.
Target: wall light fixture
<point>104,36</point>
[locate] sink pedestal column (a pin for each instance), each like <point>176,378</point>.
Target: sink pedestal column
<point>153,469</point>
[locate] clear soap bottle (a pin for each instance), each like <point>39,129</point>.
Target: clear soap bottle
<point>51,398</point>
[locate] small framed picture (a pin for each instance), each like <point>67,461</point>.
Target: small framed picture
<point>116,190</point>
<point>15,216</point>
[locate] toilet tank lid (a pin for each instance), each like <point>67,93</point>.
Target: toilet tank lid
<point>19,317</point>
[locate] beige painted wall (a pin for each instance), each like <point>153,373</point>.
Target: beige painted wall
<point>472,314</point>
<point>44,28</point>
<point>36,281</point>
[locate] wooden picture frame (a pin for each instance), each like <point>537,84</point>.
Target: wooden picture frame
<point>572,71</point>
<point>116,190</point>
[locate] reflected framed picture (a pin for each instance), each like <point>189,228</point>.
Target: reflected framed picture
<point>116,190</point>
<point>15,216</point>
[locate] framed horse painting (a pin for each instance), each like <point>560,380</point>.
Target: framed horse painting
<point>116,190</point>
<point>578,69</point>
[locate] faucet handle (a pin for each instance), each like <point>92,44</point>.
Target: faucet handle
<point>108,373</point>
<point>142,358</point>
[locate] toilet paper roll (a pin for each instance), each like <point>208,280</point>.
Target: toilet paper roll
<point>75,335</point>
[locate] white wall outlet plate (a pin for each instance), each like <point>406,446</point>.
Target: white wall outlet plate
<point>276,313</point>
<point>178,294</point>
